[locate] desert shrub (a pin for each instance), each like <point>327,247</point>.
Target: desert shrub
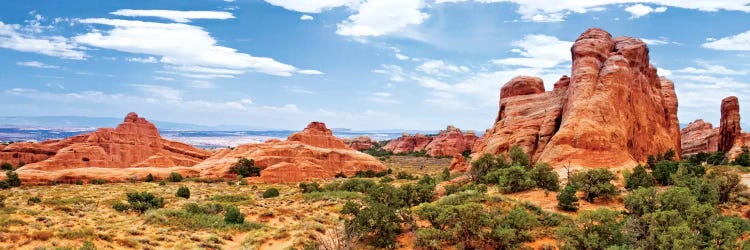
<point>417,194</point>
<point>6,166</point>
<point>196,208</point>
<point>12,180</point>
<point>4,184</point>
<point>403,175</point>
<point>33,200</point>
<point>140,202</point>
<point>639,178</point>
<point>352,185</point>
<point>663,171</point>
<point>484,165</point>
<point>183,192</point>
<point>514,179</point>
<point>445,175</point>
<point>233,216</point>
<point>726,183</point>
<point>518,157</point>
<point>245,168</point>
<point>149,178</point>
<point>641,201</point>
<point>2,201</point>
<point>567,200</point>
<point>98,181</point>
<point>717,158</point>
<point>370,174</point>
<point>386,179</point>
<point>309,188</point>
<point>87,245</point>
<point>270,193</point>
<point>377,223</point>
<point>596,229</point>
<point>162,183</point>
<point>743,159</point>
<point>544,177</point>
<point>175,177</point>
<point>595,183</point>
<point>699,158</point>
<point>79,182</point>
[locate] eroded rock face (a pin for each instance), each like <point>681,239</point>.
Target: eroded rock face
<point>360,143</point>
<point>729,130</point>
<point>458,164</point>
<point>612,111</point>
<point>407,143</point>
<point>295,159</point>
<point>451,141</point>
<point>699,136</point>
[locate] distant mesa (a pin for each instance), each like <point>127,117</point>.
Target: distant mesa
<point>614,110</point>
<point>360,143</point>
<point>448,142</point>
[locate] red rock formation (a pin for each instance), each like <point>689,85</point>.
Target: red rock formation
<point>613,111</point>
<point>407,143</point>
<point>451,141</point>
<point>458,164</point>
<point>360,143</point>
<point>730,123</point>
<point>699,136</point>
<point>294,160</point>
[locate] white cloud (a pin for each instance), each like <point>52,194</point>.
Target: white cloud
<point>640,10</point>
<point>175,15</point>
<point>161,78</point>
<point>382,97</point>
<point>657,41</point>
<point>36,64</point>
<point>707,68</point>
<point>401,56</point>
<point>306,17</point>
<point>538,51</point>
<point>544,11</point>
<point>11,37</point>
<point>161,92</point>
<point>177,44</point>
<point>200,84</point>
<point>308,6</point>
<point>395,72</point>
<point>739,42</point>
<point>297,89</point>
<point>381,17</point>
<point>247,101</point>
<point>149,59</point>
<point>310,72</point>
<point>441,68</point>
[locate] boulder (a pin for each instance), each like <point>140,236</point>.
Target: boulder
<point>699,136</point>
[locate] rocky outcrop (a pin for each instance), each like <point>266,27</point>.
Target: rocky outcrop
<point>458,164</point>
<point>699,136</point>
<point>614,110</point>
<point>729,130</point>
<point>360,143</point>
<point>451,141</point>
<point>135,143</point>
<point>319,155</point>
<point>407,143</point>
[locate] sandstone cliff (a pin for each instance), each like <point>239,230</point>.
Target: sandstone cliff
<point>614,110</point>
<point>360,143</point>
<point>448,142</point>
<point>699,136</point>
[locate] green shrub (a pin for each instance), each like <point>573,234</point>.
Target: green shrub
<point>149,178</point>
<point>369,174</point>
<point>743,159</point>
<point>445,175</point>
<point>309,188</point>
<point>162,183</point>
<point>567,200</point>
<point>79,182</point>
<point>518,157</point>
<point>596,229</point>
<point>595,183</point>
<point>98,181</point>
<point>403,175</point>
<point>639,178</point>
<point>6,166</point>
<point>120,207</point>
<point>717,158</point>
<point>386,179</point>
<point>340,175</point>
<point>140,202</point>
<point>545,177</point>
<point>486,164</point>
<point>196,208</point>
<point>175,177</point>
<point>33,200</point>
<point>270,193</point>
<point>664,170</point>
<point>87,245</point>
<point>2,201</point>
<point>13,180</point>
<point>183,192</point>
<point>4,184</point>
<point>514,179</point>
<point>233,216</point>
<point>245,168</point>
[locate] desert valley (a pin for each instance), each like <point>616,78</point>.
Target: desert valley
<point>599,161</point>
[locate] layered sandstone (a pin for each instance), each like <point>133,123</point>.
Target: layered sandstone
<point>614,110</point>
<point>699,136</point>
<point>458,164</point>
<point>360,143</point>
<point>320,155</point>
<point>407,143</point>
<point>451,141</point>
<point>729,130</point>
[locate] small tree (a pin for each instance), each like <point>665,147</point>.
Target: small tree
<point>183,192</point>
<point>545,177</point>
<point>664,170</point>
<point>175,177</point>
<point>515,179</point>
<point>270,193</point>
<point>149,178</point>
<point>445,175</point>
<point>485,164</point>
<point>518,157</point>
<point>233,216</point>
<point>717,158</point>
<point>13,180</point>
<point>595,183</point>
<point>140,202</point>
<point>639,178</point>
<point>245,168</point>
<point>567,200</point>
<point>6,166</point>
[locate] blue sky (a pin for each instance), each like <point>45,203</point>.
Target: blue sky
<point>360,64</point>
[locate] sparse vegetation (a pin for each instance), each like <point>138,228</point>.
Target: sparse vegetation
<point>233,216</point>
<point>139,202</point>
<point>183,192</point>
<point>270,193</point>
<point>567,199</point>
<point>175,177</point>
<point>13,180</point>
<point>149,178</point>
<point>6,166</point>
<point>595,183</point>
<point>245,168</point>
